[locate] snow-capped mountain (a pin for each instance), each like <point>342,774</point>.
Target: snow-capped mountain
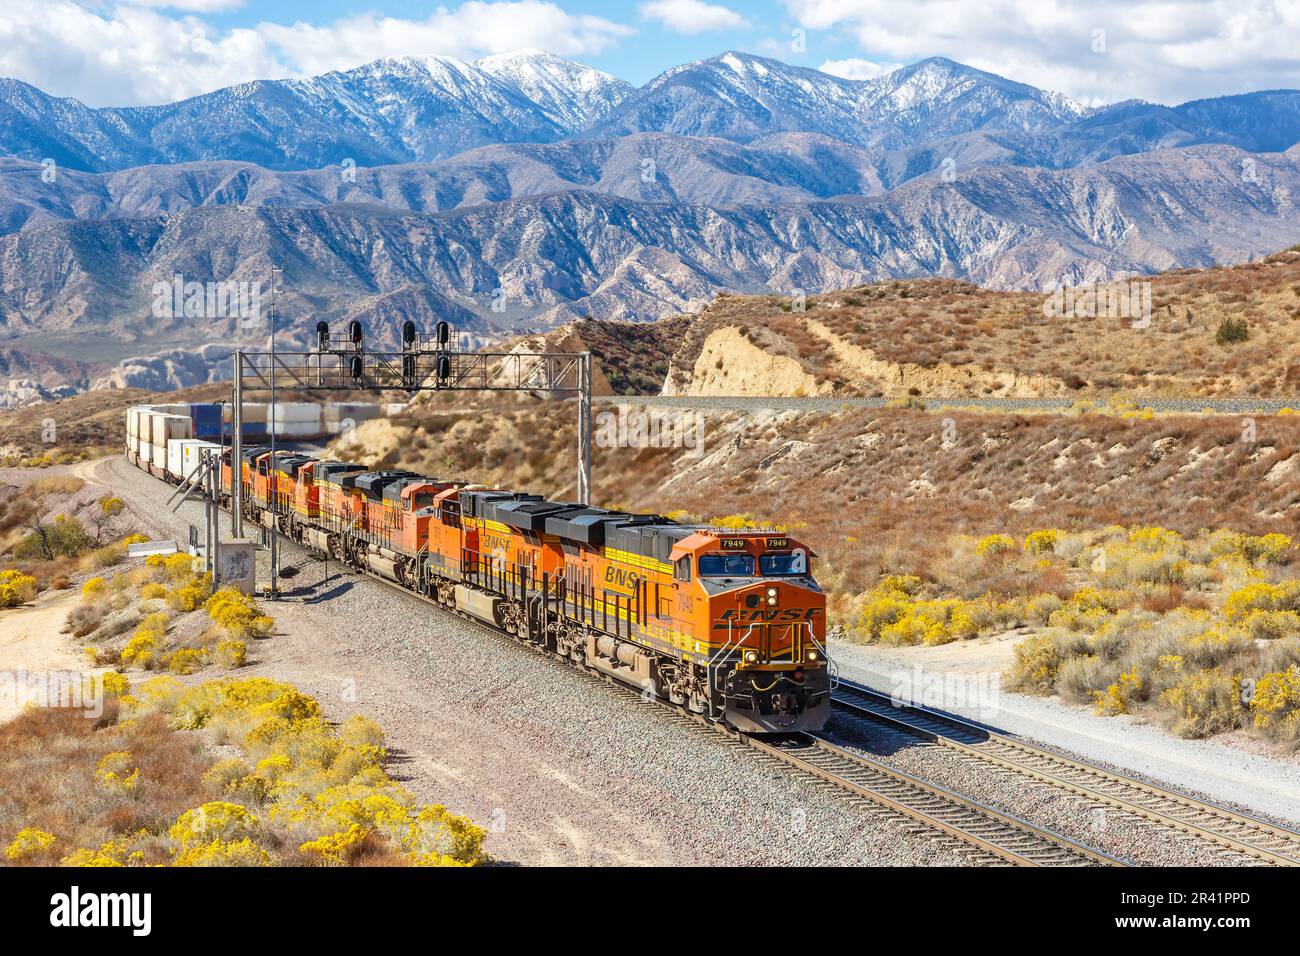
<point>573,95</point>
<point>393,110</point>
<point>527,173</point>
<point>420,109</point>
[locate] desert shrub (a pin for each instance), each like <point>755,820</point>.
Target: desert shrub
<point>995,544</point>
<point>117,772</point>
<point>238,614</point>
<point>1276,705</point>
<point>231,653</point>
<point>1080,679</point>
<point>1037,660</point>
<point>16,588</point>
<point>1231,330</point>
<point>184,660</point>
<point>1120,695</point>
<point>1261,596</point>
<point>1042,542</point>
<point>190,595</point>
<point>65,537</point>
<point>1201,704</point>
<point>28,843</point>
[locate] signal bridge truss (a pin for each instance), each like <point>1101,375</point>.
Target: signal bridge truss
<point>416,368</point>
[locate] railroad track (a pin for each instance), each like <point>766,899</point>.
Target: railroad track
<point>998,836</point>
<point>968,826</point>
<point>1202,819</point>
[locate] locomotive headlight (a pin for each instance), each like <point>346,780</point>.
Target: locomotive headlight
<point>751,657</point>
<point>812,655</point>
<point>771,592</point>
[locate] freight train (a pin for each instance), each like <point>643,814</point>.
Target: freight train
<point>728,624</point>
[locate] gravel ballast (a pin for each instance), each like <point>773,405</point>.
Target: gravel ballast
<point>562,768</point>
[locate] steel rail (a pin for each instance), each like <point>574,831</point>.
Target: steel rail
<point>1182,812</point>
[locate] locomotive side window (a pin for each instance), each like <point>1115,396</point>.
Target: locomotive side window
<point>726,565</point>
<point>682,569</point>
<point>795,562</point>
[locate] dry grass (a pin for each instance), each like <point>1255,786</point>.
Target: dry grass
<point>1007,341</point>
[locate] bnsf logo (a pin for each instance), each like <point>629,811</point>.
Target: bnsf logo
<point>765,614</point>
<point>621,577</point>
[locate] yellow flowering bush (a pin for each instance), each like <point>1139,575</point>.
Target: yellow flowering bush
<point>92,589</point>
<point>224,853</point>
<point>116,772</point>
<point>1042,542</point>
<point>1277,697</point>
<point>238,614</point>
<point>190,595</point>
<point>1202,703</point>
<point>995,544</point>
<point>184,660</point>
<point>1037,660</point>
<point>29,842</point>
<point>335,848</point>
<point>110,854</point>
<point>16,588</point>
<point>1118,696</point>
<point>231,653</point>
<point>218,821</point>
<point>1261,596</point>
<point>153,591</point>
<point>320,789</point>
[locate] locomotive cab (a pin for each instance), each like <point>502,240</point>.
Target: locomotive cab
<point>753,593</point>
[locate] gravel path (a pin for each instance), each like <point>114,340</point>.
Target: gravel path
<point>744,403</point>
<point>1255,783</point>
<point>563,768</point>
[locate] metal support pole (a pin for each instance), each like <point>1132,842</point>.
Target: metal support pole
<point>236,451</point>
<point>272,483</point>
<point>584,428</point>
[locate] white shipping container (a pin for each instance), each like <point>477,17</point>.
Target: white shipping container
<point>252,412</point>
<point>158,456</point>
<point>176,456</point>
<point>193,455</point>
<point>179,427</point>
<point>295,412</point>
<point>144,451</point>
<point>336,413</point>
<point>155,428</point>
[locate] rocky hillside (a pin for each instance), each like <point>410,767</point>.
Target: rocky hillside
<point>943,337</point>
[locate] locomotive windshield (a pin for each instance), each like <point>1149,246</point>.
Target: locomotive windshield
<point>793,562</point>
<point>726,565</point>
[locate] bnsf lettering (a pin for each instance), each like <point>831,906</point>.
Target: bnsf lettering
<point>765,614</point>
<point>621,577</point>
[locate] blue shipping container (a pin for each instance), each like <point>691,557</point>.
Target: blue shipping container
<point>207,421</point>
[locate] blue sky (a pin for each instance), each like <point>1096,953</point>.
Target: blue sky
<point>131,52</point>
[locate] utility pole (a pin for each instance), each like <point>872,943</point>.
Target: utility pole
<point>271,477</point>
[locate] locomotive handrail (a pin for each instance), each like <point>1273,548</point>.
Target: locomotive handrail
<point>832,669</point>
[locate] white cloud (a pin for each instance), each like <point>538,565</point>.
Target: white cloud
<point>857,69</point>
<point>130,55</point>
<point>193,6</point>
<point>693,16</point>
<point>1163,50</point>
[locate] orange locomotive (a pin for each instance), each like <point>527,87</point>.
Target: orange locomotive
<point>728,624</point>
